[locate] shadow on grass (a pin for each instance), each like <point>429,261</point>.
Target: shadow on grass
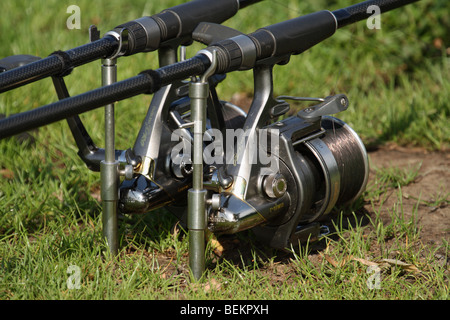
<point>151,229</point>
<point>243,250</point>
<point>155,231</point>
<point>397,124</point>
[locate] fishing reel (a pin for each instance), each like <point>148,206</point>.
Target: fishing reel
<point>279,180</point>
<point>163,170</point>
<point>276,177</point>
<point>317,162</point>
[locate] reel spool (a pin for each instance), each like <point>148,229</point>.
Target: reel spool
<point>340,162</point>
<point>334,172</point>
<point>351,157</point>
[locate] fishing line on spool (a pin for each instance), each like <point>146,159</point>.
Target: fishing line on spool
<point>350,155</point>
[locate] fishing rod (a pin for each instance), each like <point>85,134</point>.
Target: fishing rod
<point>237,53</point>
<point>142,35</point>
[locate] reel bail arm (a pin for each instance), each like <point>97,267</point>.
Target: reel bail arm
<point>330,105</point>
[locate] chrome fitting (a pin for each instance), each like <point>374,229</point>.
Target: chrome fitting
<point>275,185</point>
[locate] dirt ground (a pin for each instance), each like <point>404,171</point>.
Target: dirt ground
<point>429,193</point>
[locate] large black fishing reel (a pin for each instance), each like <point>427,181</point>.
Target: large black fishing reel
<point>320,163</point>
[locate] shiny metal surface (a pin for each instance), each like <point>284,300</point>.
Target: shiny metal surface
<point>331,174</point>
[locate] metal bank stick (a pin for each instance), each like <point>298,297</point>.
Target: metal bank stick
<point>198,94</point>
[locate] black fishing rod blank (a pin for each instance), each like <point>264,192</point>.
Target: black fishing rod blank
<point>360,11</point>
<point>143,35</point>
<point>59,63</point>
<point>146,82</point>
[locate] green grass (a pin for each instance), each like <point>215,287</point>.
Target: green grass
<point>397,81</point>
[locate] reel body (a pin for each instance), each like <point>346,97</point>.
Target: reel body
<point>321,165</point>
<point>329,167</point>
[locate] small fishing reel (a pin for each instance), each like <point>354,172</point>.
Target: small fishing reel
<point>165,180</point>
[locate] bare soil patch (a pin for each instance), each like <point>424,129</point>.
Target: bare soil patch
<point>427,197</point>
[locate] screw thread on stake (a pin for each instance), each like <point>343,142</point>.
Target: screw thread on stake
<point>198,94</point>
